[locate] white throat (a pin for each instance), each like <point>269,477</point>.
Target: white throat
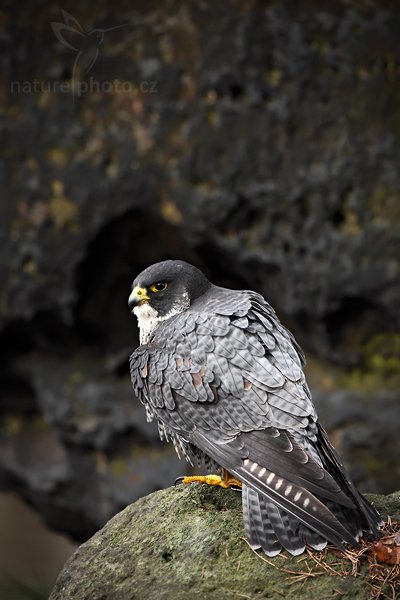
<point>148,318</point>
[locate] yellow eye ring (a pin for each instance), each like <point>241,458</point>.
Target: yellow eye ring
<point>158,287</point>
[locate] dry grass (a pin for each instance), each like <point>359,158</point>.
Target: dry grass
<point>382,578</point>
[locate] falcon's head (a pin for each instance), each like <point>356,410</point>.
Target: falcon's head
<point>163,290</point>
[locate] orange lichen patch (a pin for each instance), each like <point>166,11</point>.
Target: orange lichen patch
<point>33,214</point>
<point>39,213</point>
<point>59,157</point>
<point>63,211</point>
<point>170,212</point>
<point>30,267</point>
<point>143,138</point>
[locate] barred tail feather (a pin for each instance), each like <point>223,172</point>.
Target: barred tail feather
<point>282,524</point>
<point>271,529</point>
<point>281,513</point>
<point>299,503</point>
<point>258,527</point>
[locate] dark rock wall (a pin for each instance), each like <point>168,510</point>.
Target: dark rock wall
<point>258,139</point>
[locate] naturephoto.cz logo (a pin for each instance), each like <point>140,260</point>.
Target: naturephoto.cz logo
<point>86,46</point>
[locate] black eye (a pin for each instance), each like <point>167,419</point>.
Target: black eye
<point>158,287</point>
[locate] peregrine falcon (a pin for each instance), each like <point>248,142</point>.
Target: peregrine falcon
<point>224,380</point>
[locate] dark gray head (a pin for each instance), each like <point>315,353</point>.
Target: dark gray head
<point>166,288</point>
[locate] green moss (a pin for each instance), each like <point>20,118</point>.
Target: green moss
<point>379,467</point>
<point>382,355</point>
<point>379,365</point>
<point>387,505</point>
<point>58,156</point>
<point>384,205</point>
<point>320,44</point>
<point>188,541</point>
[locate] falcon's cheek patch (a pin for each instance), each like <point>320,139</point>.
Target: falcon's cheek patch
<point>147,318</point>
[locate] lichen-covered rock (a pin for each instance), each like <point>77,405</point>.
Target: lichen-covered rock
<point>187,542</point>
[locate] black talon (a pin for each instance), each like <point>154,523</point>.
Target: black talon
<point>179,480</point>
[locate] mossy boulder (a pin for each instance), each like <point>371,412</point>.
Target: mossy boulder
<point>188,542</point>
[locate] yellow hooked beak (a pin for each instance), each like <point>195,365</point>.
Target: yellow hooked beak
<point>138,296</point>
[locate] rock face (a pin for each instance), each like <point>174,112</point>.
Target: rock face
<point>188,542</point>
<point>260,141</point>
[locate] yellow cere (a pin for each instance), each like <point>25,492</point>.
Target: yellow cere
<point>140,293</point>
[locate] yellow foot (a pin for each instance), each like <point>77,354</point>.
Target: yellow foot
<point>226,482</point>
